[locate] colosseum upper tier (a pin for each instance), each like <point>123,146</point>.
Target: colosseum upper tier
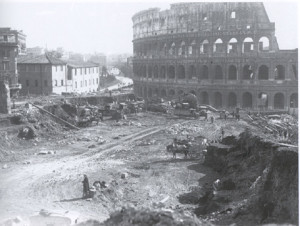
<point>225,53</point>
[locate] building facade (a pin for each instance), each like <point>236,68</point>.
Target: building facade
<point>225,53</point>
<point>12,44</point>
<point>42,75</point>
<point>82,77</point>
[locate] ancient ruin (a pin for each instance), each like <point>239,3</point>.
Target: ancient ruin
<point>225,53</point>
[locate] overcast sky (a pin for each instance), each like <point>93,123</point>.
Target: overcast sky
<point>106,26</point>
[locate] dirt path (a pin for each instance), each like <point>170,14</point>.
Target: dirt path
<point>53,182</point>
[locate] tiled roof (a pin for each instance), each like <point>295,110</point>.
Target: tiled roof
<point>77,64</point>
<point>40,59</point>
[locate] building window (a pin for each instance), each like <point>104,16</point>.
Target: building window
<point>27,83</point>
<point>232,15</point>
<point>204,16</point>
<point>61,68</point>
<point>85,71</point>
<point>36,83</point>
<point>62,82</point>
<point>89,70</point>
<point>46,83</point>
<point>55,82</point>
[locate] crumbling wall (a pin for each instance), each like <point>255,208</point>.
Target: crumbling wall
<point>5,107</point>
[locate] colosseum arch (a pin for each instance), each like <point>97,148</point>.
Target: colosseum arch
<point>218,72</point>
<point>204,98</point>
<point>149,71</point>
<point>248,45</point>
<point>218,46</point>
<point>232,100</point>
<point>145,92</point>
<point>279,72</point>
<point>181,72</point>
<point>144,71</point>
<point>172,49</point>
<point>156,92</point>
<point>247,72</point>
<point>171,93</point>
<point>247,100</point>
<point>155,71</point>
<point>294,100</point>
<point>204,46</point>
<point>181,50</point>
<point>171,72</point>
<point>263,72</point>
<point>163,72</point>
<point>262,101</point>
<point>163,93</point>
<point>232,46</point>
<point>204,72</point>
<point>218,99</point>
<point>279,101</point>
<point>232,72</point>
<point>192,48</point>
<point>180,92</point>
<point>149,92</point>
<point>263,44</point>
<point>191,72</point>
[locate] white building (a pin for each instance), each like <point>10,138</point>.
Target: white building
<point>82,77</point>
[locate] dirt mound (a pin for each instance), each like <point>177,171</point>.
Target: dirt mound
<point>261,177</point>
<point>146,217</point>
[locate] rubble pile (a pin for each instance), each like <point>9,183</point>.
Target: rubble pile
<point>261,179</point>
<point>142,217</point>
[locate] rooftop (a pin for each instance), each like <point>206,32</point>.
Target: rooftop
<point>40,59</point>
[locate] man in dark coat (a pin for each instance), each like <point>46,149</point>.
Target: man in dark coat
<point>86,186</point>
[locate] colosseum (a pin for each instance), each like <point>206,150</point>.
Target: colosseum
<point>225,53</point>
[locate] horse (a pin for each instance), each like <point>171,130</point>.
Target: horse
<point>178,149</point>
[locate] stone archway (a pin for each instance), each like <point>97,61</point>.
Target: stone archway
<point>247,100</point>
<point>232,100</point>
<point>279,101</point>
<point>218,100</point>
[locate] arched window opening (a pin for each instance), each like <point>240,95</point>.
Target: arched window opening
<point>204,72</point>
<point>171,93</point>
<point>279,72</point>
<point>232,15</point>
<point>149,92</point>
<point>232,73</point>
<point>218,100</point>
<point>149,71</point>
<point>263,44</point>
<point>248,45</point>
<point>279,101</point>
<point>172,49</point>
<point>163,93</point>
<point>192,72</point>
<point>247,72</point>
<point>171,72</point>
<point>163,72</point>
<point>294,100</point>
<point>204,98</point>
<point>218,46</point>
<point>181,72</point>
<point>218,72</point>
<point>155,72</point>
<point>263,72</point>
<point>232,46</point>
<point>262,101</point>
<point>232,100</point>
<point>247,100</point>
<point>204,47</point>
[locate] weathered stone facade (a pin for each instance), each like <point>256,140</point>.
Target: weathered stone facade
<point>225,53</point>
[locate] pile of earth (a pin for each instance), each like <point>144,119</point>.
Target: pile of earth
<point>147,217</point>
<point>258,182</point>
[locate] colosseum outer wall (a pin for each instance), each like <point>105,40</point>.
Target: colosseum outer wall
<point>225,53</point>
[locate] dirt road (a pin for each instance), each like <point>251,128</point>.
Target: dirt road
<point>53,182</point>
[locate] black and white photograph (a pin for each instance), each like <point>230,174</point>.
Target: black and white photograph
<point>145,113</point>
